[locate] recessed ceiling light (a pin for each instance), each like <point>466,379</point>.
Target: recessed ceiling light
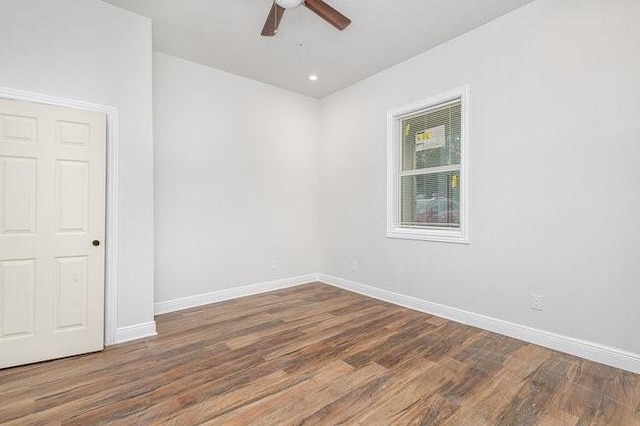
<point>313,77</point>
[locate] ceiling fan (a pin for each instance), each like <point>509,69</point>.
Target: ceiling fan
<point>319,7</point>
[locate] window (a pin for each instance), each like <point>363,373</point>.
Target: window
<point>427,196</point>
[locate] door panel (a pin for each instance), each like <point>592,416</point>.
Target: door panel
<point>73,134</point>
<point>52,206</point>
<point>18,194</point>
<point>18,128</point>
<point>72,196</point>
<point>17,286</point>
<point>72,280</point>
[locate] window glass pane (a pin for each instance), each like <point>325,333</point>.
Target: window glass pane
<point>430,200</point>
<point>432,139</point>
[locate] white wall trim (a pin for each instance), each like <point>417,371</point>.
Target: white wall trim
<point>111,249</point>
<point>135,332</point>
<point>592,351</point>
<point>231,293</point>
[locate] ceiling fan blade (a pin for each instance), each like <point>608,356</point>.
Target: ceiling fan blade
<point>273,20</point>
<point>328,13</point>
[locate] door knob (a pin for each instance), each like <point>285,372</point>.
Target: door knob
<point>96,243</point>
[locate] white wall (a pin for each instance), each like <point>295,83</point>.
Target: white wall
<point>554,172</point>
<point>90,51</point>
<point>236,180</point>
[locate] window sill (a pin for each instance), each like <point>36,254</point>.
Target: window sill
<point>458,236</point>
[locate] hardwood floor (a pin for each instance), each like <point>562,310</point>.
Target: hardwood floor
<point>315,354</point>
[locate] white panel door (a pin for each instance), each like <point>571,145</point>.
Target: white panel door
<point>52,213</point>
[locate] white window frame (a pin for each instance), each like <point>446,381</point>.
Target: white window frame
<point>394,146</point>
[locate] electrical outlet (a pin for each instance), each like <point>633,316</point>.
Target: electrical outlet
<point>536,302</point>
<point>273,265</point>
<point>355,266</point>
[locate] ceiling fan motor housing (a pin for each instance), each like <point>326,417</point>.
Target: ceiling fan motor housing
<point>289,4</point>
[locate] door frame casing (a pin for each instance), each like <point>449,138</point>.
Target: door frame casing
<point>111,213</point>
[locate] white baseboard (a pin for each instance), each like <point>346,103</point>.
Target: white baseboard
<point>136,331</point>
<point>231,293</point>
<point>592,351</point>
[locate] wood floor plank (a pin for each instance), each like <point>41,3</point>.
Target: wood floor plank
<point>318,355</point>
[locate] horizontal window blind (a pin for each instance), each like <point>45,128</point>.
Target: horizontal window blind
<point>430,157</point>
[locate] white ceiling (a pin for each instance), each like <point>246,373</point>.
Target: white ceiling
<point>225,34</point>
